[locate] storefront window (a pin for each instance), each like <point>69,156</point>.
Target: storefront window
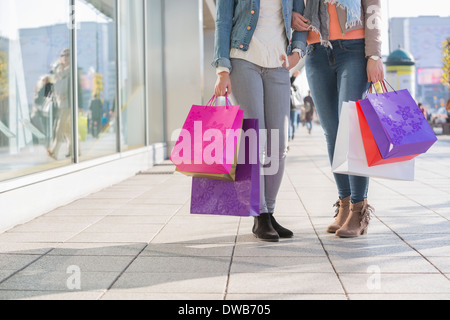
<point>155,86</point>
<point>38,87</point>
<point>35,84</point>
<point>96,46</point>
<point>132,74</point>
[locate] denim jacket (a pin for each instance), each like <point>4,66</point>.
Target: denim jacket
<point>236,23</point>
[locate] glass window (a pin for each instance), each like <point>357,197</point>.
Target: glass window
<point>155,72</point>
<point>96,46</point>
<point>132,74</point>
<point>35,86</point>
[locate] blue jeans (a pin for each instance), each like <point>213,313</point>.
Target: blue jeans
<point>335,76</point>
<point>293,123</point>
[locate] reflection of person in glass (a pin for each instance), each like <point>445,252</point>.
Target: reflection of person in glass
<point>62,96</point>
<point>96,115</point>
<point>41,116</point>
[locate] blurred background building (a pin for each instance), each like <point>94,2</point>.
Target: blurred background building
<point>421,40</point>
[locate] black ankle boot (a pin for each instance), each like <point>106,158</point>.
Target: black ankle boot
<point>263,229</point>
<point>282,232</point>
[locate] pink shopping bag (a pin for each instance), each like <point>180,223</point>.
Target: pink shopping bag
<point>208,140</point>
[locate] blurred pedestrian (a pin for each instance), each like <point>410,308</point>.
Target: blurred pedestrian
<point>296,105</point>
<point>63,134</point>
<point>96,108</point>
<point>310,110</point>
<point>423,110</point>
<point>448,111</point>
<point>442,115</point>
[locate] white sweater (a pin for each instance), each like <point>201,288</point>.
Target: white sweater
<point>269,41</point>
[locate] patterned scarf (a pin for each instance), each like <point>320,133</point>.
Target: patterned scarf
<point>317,14</point>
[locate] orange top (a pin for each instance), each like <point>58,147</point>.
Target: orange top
<point>335,29</point>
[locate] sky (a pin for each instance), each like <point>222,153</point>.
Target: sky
<point>413,8</point>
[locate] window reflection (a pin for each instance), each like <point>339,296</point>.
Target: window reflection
<point>35,75</point>
<point>36,111</point>
<point>96,42</point>
<point>132,74</point>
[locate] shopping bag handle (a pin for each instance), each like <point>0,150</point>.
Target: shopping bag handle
<point>213,101</point>
<point>383,83</point>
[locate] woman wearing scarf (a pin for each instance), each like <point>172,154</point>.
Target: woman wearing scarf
<point>253,52</point>
<point>343,57</point>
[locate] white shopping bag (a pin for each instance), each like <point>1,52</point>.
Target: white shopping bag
<point>350,157</point>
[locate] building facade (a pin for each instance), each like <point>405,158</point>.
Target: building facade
<point>423,37</point>
<point>91,92</point>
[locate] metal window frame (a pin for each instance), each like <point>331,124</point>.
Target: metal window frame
<point>74,87</point>
<point>74,90</point>
<point>146,76</point>
<point>118,76</point>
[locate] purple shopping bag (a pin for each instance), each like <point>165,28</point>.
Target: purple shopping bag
<point>240,198</point>
<point>397,124</point>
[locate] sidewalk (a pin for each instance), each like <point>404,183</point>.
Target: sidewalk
<point>137,240</point>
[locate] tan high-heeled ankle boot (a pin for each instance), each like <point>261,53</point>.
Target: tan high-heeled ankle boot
<point>358,221</point>
<point>342,213</point>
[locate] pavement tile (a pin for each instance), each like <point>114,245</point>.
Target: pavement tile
<point>298,247</point>
<point>284,296</point>
<point>188,250</point>
<point>15,261</point>
<point>152,209</point>
<point>429,244</point>
<point>277,264</point>
<point>98,249</point>
<point>46,237</point>
<point>86,264</point>
<point>44,280</point>
<point>115,294</point>
<point>404,296</point>
<point>284,283</point>
<point>384,264</point>
<point>399,283</point>
<point>107,237</point>
<point>50,295</point>
<point>200,264</point>
<point>31,248</point>
<point>211,283</point>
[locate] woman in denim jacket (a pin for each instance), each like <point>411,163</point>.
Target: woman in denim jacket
<point>254,51</point>
<point>343,57</point>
